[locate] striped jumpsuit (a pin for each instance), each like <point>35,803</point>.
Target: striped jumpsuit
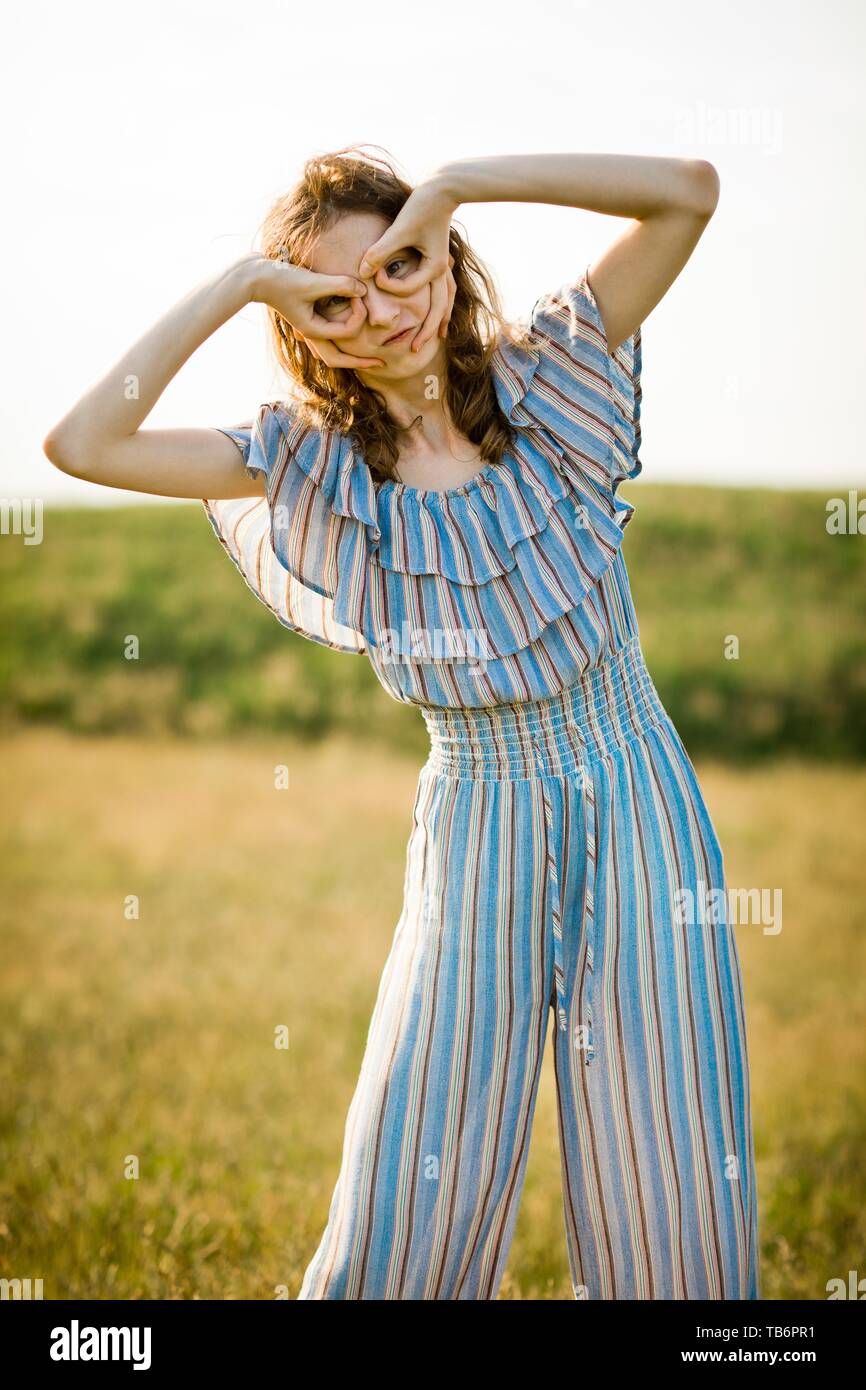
<point>561,855</point>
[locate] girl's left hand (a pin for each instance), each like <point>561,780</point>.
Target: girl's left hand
<point>424,224</point>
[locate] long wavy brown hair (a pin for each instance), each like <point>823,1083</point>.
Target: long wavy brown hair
<point>349,180</point>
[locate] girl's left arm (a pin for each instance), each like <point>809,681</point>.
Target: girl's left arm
<point>670,200</point>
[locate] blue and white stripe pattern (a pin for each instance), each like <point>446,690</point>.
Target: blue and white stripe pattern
<point>557,831</point>
<point>651,1064</point>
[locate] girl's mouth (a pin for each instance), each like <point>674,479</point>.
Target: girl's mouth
<point>401,337</point>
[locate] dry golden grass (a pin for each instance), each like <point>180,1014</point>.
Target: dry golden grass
<point>260,907</point>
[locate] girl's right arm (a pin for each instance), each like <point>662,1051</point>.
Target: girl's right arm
<point>101,440</point>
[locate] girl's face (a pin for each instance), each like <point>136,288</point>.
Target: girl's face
<point>339,252</point>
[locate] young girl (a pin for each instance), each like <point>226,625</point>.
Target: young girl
<point>440,493</point>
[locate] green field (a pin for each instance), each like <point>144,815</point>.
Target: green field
<point>155,1037</point>
<point>706,564</point>
<point>151,1038</point>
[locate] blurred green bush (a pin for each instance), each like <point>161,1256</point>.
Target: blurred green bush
<point>707,565</point>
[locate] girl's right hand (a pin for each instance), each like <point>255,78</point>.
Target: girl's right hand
<point>293,291</point>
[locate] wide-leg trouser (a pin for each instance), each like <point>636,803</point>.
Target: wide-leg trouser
<point>561,857</point>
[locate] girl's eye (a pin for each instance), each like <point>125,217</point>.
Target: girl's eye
<point>410,260</point>
<point>333,305</point>
<point>400,266</point>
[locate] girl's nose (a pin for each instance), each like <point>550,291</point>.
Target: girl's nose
<point>382,308</point>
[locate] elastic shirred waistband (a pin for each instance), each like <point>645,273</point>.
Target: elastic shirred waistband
<point>612,704</point>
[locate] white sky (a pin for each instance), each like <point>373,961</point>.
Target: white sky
<point>144,144</point>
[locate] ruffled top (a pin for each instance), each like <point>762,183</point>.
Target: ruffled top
<point>506,588</point>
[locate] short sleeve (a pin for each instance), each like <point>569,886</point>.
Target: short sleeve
<point>589,396</point>
<point>242,436</point>
<point>293,550</point>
